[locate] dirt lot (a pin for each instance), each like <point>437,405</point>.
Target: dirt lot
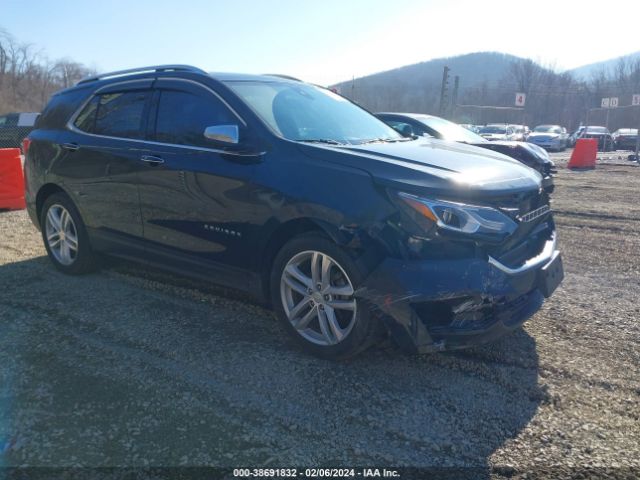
<point>134,367</point>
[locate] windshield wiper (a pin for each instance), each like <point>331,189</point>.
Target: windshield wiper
<point>328,141</point>
<point>386,140</point>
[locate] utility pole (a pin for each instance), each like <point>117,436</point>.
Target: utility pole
<point>454,96</point>
<point>444,91</point>
<point>353,88</point>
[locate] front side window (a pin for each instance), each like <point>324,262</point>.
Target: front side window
<point>449,130</point>
<point>183,117</point>
<point>403,128</point>
<point>302,112</point>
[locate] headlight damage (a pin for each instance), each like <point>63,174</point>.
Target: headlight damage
<point>461,218</point>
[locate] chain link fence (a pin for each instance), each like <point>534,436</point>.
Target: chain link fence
<point>14,127</point>
<point>614,118</point>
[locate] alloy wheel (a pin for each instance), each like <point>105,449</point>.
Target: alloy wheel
<point>61,234</point>
<point>318,298</point>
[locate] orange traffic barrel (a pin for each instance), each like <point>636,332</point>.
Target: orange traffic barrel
<point>585,153</point>
<point>11,180</point>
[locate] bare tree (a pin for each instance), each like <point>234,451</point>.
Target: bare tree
<point>28,78</point>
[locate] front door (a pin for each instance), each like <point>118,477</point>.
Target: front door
<point>195,197</point>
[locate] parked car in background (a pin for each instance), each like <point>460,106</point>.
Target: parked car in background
<point>14,127</point>
<point>625,138</point>
<point>550,137</point>
<point>497,132</point>
<point>297,195</point>
<point>571,142</point>
<point>409,124</point>
<point>471,127</point>
<point>602,134</point>
<point>519,133</point>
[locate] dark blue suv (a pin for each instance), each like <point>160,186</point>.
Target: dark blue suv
<point>298,196</point>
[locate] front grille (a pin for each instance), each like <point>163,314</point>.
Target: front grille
<point>550,169</point>
<point>537,213</point>
<point>520,204</point>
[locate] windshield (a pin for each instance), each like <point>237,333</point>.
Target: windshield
<point>490,129</point>
<point>596,130</point>
<point>449,130</point>
<point>303,112</point>
<point>547,129</point>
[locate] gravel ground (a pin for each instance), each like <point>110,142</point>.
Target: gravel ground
<point>134,367</point>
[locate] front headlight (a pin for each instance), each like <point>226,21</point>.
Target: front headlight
<point>462,218</point>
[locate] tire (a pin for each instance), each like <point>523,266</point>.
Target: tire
<point>356,329</point>
<point>59,212</point>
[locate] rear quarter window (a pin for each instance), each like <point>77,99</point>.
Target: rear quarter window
<point>61,107</point>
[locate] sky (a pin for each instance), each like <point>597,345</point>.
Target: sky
<point>319,41</point>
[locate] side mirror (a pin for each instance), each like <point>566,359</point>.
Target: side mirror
<point>227,134</point>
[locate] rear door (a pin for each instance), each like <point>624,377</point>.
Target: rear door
<point>102,150</point>
<point>196,197</point>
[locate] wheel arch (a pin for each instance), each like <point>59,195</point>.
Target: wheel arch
<point>285,232</point>
<point>45,192</point>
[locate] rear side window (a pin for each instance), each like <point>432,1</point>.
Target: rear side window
<point>121,114</point>
<point>114,115</point>
<point>183,116</point>
<point>86,121</point>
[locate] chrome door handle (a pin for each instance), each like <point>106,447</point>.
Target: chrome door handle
<point>72,147</point>
<point>152,159</point>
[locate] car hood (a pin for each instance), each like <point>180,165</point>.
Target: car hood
<point>531,155</point>
<point>442,167</point>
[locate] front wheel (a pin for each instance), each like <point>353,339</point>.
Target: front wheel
<point>313,291</point>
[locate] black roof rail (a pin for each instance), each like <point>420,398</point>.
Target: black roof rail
<point>156,68</point>
<point>287,77</point>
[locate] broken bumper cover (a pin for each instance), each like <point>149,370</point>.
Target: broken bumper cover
<point>433,305</point>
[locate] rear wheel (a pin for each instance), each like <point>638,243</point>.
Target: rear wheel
<point>65,237</point>
<point>313,285</point>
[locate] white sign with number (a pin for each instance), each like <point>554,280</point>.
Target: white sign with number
<point>613,102</point>
<point>635,100</point>
<point>520,99</point>
<point>604,103</point>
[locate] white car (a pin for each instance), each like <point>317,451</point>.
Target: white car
<point>498,132</point>
<point>550,137</point>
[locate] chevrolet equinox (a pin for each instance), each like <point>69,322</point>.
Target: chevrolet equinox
<point>298,196</point>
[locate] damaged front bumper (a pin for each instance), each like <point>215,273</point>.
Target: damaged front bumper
<point>433,305</point>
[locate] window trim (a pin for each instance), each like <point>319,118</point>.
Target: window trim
<point>70,123</point>
<point>210,90</point>
<point>72,120</point>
